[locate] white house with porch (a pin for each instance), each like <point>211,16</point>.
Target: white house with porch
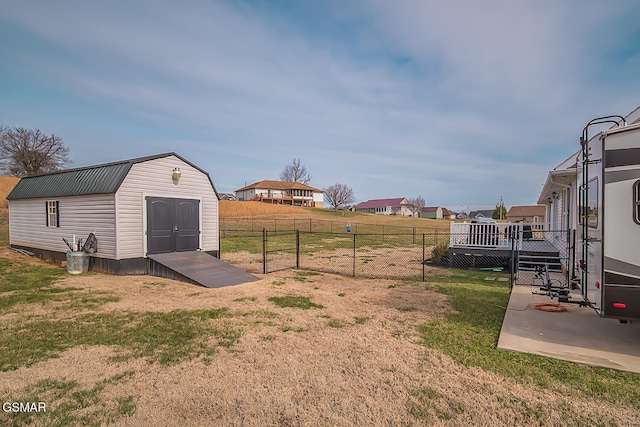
<point>281,192</point>
<point>394,206</point>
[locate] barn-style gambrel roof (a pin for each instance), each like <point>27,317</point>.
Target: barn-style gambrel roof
<point>97,179</point>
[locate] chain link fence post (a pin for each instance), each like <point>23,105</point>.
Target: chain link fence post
<point>264,251</point>
<point>512,267</point>
<point>354,255</point>
<point>423,255</point>
<point>298,249</point>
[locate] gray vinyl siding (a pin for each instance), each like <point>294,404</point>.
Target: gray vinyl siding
<point>79,215</point>
<point>153,178</point>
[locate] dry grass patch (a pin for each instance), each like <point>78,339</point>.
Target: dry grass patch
<point>237,209</point>
<point>359,359</point>
<point>6,185</point>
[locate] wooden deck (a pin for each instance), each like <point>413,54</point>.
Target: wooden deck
<point>527,247</point>
<point>199,268</point>
<point>530,254</point>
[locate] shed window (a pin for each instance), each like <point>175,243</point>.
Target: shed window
<point>53,213</point>
<point>636,202</point>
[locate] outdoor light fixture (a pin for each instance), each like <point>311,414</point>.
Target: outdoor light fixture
<point>554,195</point>
<point>176,174</point>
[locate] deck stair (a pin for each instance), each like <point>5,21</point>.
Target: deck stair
<point>527,261</point>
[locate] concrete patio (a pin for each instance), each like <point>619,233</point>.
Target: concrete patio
<point>577,335</point>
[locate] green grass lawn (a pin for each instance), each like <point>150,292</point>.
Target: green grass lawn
<point>470,337</point>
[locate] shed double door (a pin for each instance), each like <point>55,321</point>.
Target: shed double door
<point>173,225</point>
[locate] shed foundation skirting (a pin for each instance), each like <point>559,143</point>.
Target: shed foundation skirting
<point>119,267</point>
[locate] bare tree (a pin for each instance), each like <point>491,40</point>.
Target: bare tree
<point>26,152</point>
<point>338,195</point>
<point>295,172</point>
<point>416,204</point>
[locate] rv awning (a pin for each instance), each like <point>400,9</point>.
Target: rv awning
<point>557,180</point>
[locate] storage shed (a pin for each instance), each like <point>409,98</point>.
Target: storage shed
<point>136,208</point>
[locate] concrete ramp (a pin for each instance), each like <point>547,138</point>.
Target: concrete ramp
<point>199,268</point>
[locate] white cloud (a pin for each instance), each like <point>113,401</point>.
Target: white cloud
<point>456,101</point>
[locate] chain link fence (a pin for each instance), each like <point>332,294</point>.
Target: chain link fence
<point>389,256</point>
<point>538,259</point>
<point>368,255</point>
<point>245,227</point>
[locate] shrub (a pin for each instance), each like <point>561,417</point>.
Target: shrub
<point>440,253</point>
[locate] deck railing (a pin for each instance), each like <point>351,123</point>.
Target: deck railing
<point>493,235</point>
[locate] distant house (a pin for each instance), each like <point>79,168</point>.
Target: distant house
<point>462,215</point>
<point>282,192</point>
<point>448,214</point>
<point>437,212</point>
<point>431,212</point>
<point>395,206</point>
<point>532,214</point>
<point>227,196</point>
<point>487,213</point>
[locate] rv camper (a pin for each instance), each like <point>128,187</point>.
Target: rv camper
<point>608,233</point>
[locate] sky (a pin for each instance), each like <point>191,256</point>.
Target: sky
<point>460,102</point>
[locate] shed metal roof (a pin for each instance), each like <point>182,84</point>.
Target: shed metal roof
<point>98,179</point>
<point>430,209</point>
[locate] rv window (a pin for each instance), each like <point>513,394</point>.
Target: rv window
<point>591,210</point>
<point>592,203</point>
<point>636,202</point>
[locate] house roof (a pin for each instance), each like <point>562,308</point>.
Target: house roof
<point>486,213</point>
<point>524,211</point>
<point>279,185</point>
<point>430,209</point>
<point>556,181</point>
<point>382,203</point>
<point>447,212</point>
<point>104,178</point>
